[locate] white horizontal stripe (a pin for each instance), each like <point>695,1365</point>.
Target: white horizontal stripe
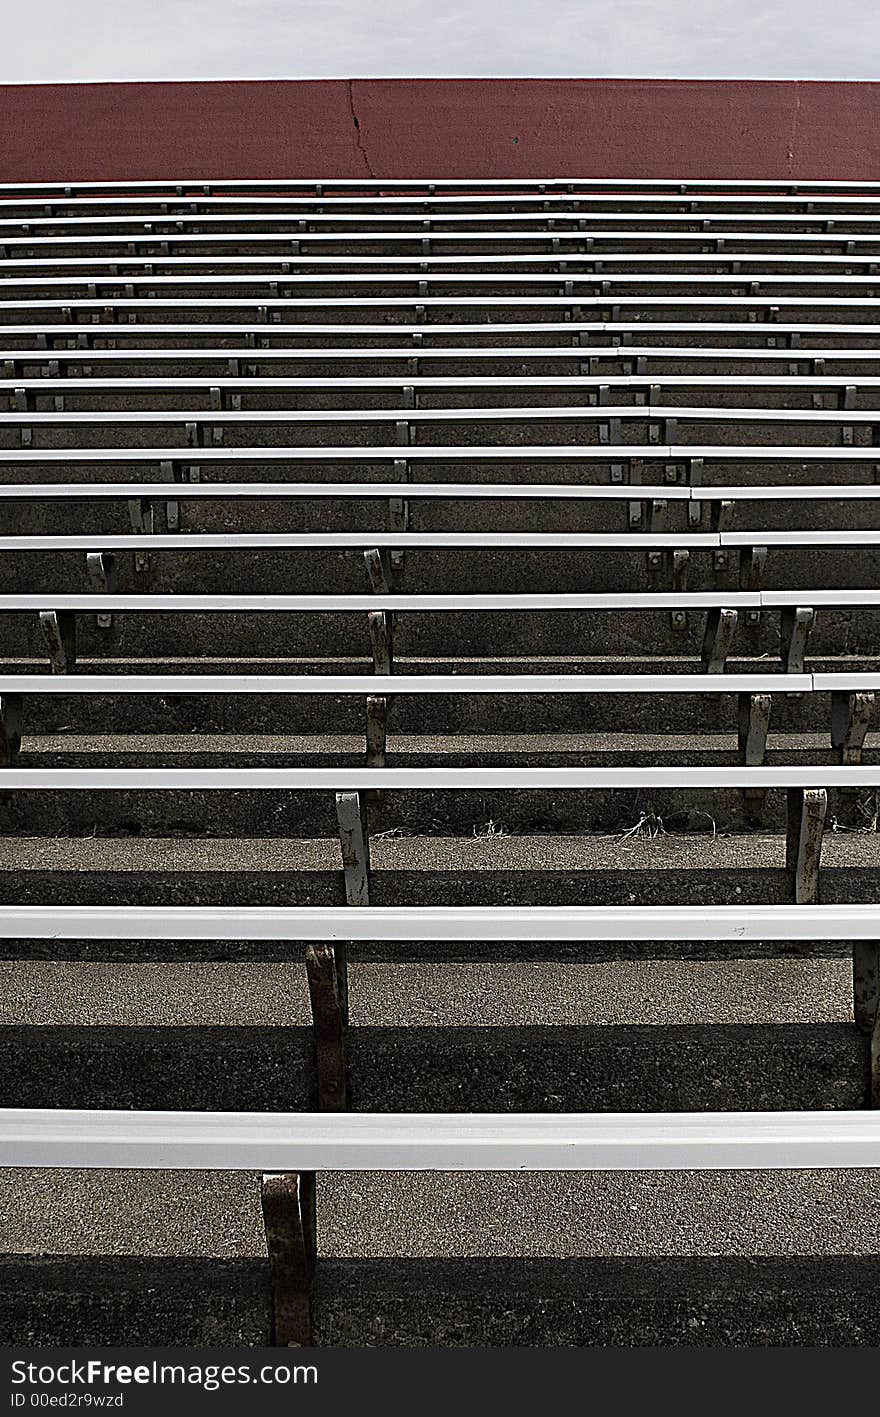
<point>441,922</point>
<point>449,1141</point>
<point>162,779</point>
<point>165,684</point>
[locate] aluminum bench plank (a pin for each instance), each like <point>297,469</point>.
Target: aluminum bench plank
<point>291,222</point>
<point>576,201</point>
<point>162,779</point>
<point>368,540</point>
<point>86,601</point>
<point>420,260</point>
<point>491,302</point>
<point>380,354</point>
<point>449,1141</point>
<point>440,453</point>
<point>438,922</point>
<point>531,413</point>
<point>395,684</point>
<point>578,233</point>
<point>523,601</point>
<point>461,540</point>
<point>569,328</point>
<point>260,383</point>
<point>417,276</point>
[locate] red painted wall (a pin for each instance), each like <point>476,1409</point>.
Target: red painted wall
<point>441,128</point>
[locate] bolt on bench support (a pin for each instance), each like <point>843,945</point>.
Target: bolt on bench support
<point>288,1201</point>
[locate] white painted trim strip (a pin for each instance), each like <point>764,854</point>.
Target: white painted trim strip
<point>262,383</point>
<point>449,1141</point>
<point>576,201</point>
<point>491,329</point>
<point>379,354</point>
<point>441,453</point>
<point>417,277</point>
<point>397,684</point>
<point>226,779</point>
<point>418,261</point>
<point>627,601</point>
<point>532,413</point>
<point>442,922</point>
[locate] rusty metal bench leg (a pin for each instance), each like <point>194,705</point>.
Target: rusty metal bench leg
<point>290,1220</point>
<point>807,808</point>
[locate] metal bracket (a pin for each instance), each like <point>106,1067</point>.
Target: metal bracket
<point>632,473</point>
<point>288,1200</point>
<point>398,507</point>
<point>10,728</point>
<point>681,561</point>
<point>59,632</point>
<point>101,569</point>
<point>717,639</point>
<point>327,974</point>
<point>142,516</point>
<point>354,842</point>
<point>752,565</point>
<point>807,808</point>
<point>694,479</point>
<point>851,716</point>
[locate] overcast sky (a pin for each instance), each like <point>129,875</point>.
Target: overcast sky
<point>78,40</point>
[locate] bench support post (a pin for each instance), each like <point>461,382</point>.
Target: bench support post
<point>866,983</point>
<point>59,633</point>
<point>803,841</point>
<point>10,728</point>
<point>717,639</point>
<point>796,624</point>
<point>753,726</point>
<point>851,716</point>
<point>290,1220</point>
<point>354,841</point>
<point>326,970</point>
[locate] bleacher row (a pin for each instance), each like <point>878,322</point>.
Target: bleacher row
<point>648,602</point>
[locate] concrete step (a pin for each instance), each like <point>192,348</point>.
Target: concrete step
<point>530,1068</point>
<point>452,1303</point>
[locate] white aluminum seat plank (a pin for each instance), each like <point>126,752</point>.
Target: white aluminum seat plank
<point>640,222</point>
<point>551,232</point>
<point>374,453</point>
<point>429,302</point>
<point>261,383</point>
<point>367,540</point>
<point>449,1141</point>
<point>438,922</point>
<point>394,684</point>
<point>415,491</point>
<point>522,601</point>
<point>532,413</point>
<point>162,779</point>
<point>569,328</point>
<point>379,353</point>
<point>419,261</point>
<point>590,600</point>
<point>559,201</point>
<point>438,278</point>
